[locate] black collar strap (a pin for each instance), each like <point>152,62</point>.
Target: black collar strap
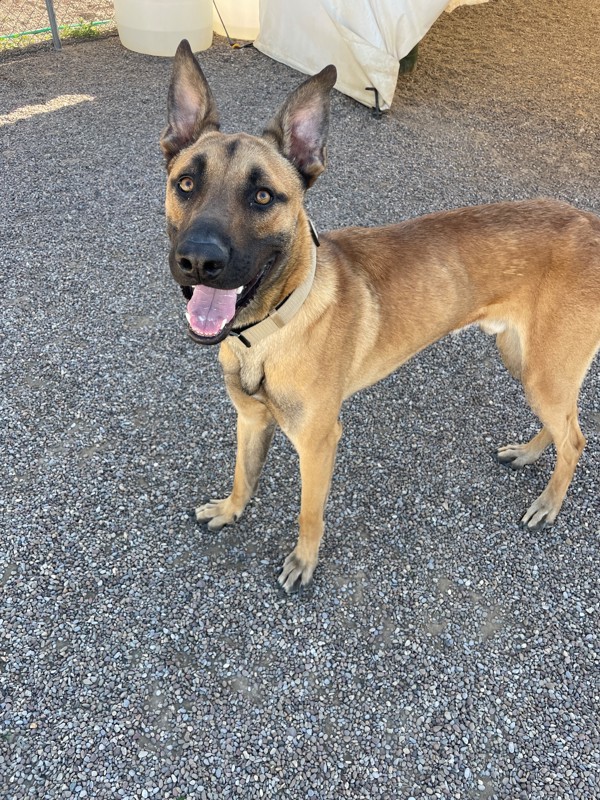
<point>284,312</point>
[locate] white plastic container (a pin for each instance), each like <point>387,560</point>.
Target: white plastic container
<point>156,27</point>
<point>240,17</point>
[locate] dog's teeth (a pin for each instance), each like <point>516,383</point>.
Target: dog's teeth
<point>187,316</point>
<point>223,324</point>
<point>240,290</point>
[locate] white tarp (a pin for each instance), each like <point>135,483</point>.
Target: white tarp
<point>365,40</point>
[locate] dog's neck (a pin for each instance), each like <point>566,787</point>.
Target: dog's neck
<point>279,316</point>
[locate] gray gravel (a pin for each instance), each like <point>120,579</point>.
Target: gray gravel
<point>442,652</point>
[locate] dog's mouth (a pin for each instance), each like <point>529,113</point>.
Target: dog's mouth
<point>211,313</point>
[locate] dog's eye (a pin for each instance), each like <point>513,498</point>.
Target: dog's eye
<point>263,197</point>
<point>185,184</point>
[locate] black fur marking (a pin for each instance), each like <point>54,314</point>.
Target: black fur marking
<point>198,164</point>
<point>232,147</point>
<point>257,177</point>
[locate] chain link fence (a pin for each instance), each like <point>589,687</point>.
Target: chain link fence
<point>31,23</point>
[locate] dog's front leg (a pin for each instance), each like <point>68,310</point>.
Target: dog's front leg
<point>316,446</point>
<point>255,428</point>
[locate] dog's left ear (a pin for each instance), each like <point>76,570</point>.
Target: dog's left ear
<point>300,127</point>
<point>191,106</point>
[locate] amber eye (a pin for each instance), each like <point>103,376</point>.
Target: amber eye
<point>263,197</point>
<point>186,184</point>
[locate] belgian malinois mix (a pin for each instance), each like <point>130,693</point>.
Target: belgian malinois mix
<point>303,327</point>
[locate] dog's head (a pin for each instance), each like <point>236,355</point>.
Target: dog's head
<point>234,203</point>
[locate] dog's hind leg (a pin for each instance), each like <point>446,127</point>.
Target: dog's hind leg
<point>552,394</point>
<point>518,455</point>
<point>569,442</point>
<point>317,446</point>
<point>255,428</point>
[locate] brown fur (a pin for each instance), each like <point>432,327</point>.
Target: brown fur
<point>528,272</point>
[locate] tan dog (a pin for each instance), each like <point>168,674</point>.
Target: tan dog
<point>338,318</point>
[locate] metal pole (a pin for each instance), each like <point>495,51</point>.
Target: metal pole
<point>53,25</point>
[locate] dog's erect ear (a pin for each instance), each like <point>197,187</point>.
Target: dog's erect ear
<point>299,129</point>
<point>192,109</point>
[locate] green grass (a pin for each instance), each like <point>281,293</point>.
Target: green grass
<point>81,30</point>
<point>84,29</point>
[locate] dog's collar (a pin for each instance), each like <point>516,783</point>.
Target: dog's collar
<point>286,310</point>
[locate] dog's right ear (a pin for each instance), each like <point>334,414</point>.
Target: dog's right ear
<point>191,106</point>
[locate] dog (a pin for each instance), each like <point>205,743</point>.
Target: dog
<point>303,324</point>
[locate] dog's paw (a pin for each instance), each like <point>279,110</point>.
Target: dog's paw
<point>516,456</point>
<point>541,512</point>
<point>296,569</point>
<point>218,513</point>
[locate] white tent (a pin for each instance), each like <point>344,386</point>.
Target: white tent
<point>365,40</point>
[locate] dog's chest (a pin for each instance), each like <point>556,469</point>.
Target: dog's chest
<point>251,375</point>
<point>244,366</point>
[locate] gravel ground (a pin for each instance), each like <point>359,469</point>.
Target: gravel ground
<point>442,651</point>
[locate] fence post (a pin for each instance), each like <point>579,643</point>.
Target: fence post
<point>53,25</point>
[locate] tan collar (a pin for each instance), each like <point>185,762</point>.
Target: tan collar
<point>284,312</point>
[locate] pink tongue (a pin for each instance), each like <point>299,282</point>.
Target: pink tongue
<point>209,309</point>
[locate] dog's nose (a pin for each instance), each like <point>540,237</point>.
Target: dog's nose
<point>201,257</point>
